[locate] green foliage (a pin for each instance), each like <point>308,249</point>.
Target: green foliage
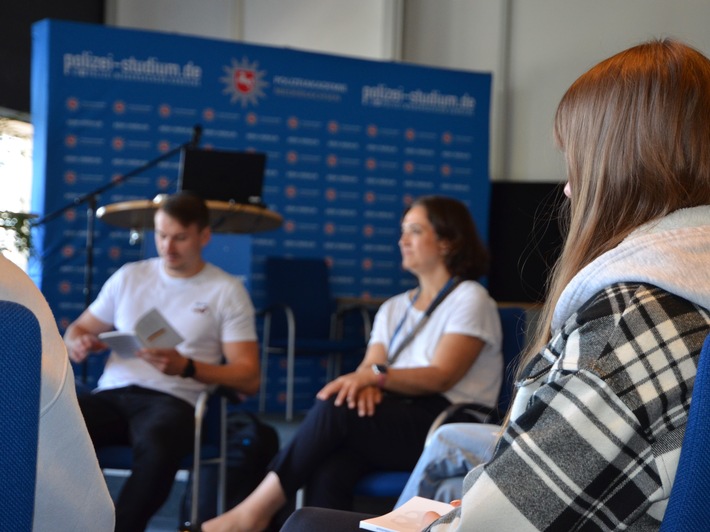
<point>19,224</point>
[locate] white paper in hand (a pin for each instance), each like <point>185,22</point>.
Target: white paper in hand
<point>121,343</point>
<point>152,330</point>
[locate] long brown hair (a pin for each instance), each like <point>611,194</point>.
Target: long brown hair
<point>635,134</point>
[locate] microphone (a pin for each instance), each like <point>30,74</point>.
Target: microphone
<point>196,134</point>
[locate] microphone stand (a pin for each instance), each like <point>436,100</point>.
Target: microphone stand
<point>90,199</point>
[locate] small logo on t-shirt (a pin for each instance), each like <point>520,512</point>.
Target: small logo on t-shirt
<point>199,307</point>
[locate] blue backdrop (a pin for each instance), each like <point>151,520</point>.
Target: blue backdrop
<point>349,143</point>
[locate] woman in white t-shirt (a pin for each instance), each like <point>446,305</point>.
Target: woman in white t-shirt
<point>436,344</point>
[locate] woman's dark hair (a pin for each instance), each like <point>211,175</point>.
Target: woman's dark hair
<point>468,257</point>
<point>187,208</point>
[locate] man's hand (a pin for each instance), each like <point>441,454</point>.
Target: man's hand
<point>82,346</point>
<point>167,361</point>
<point>81,337</point>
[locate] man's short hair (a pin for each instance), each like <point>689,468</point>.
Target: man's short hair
<point>187,208</point>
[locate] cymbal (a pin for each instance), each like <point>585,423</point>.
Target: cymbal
<point>225,217</point>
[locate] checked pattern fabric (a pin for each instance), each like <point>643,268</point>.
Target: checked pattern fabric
<point>597,422</point>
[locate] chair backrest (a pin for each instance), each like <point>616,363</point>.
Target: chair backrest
<point>214,418</point>
<point>20,378</point>
<point>513,322</point>
<point>303,284</point>
<point>688,509</point>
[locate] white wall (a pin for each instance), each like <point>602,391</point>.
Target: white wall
<point>365,28</point>
<point>534,48</point>
<point>362,28</point>
<point>219,19</point>
<point>552,42</point>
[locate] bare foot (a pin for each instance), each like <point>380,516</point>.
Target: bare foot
<point>234,521</point>
<point>254,513</point>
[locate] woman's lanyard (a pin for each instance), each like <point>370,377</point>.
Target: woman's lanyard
<point>445,290</point>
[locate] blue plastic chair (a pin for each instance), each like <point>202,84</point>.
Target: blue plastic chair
<point>20,377</point>
<point>389,484</point>
<point>688,509</point>
<point>302,318</point>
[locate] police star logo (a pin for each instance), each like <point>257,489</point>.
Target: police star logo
<point>244,82</point>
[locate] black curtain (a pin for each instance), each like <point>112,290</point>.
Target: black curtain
<point>525,239</point>
<point>16,19</point>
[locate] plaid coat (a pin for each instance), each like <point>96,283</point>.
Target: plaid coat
<point>597,422</point>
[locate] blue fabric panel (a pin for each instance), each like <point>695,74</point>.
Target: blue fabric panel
<point>349,143</point>
<point>688,509</point>
<point>20,374</point>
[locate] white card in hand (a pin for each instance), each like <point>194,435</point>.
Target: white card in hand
<point>151,330</point>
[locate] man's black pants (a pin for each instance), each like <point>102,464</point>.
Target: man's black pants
<point>160,429</point>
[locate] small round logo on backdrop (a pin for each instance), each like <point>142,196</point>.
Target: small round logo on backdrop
<point>244,82</point>
<point>118,143</point>
<point>163,182</point>
<point>70,177</point>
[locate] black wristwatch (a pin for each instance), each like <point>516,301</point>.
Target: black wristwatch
<point>189,370</point>
<point>381,371</point>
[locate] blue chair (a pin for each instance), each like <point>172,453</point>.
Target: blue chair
<point>210,449</point>
<point>20,377</point>
<point>302,318</point>
<point>688,509</point>
<point>389,484</point>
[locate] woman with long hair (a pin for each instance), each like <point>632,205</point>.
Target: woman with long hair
<point>594,432</point>
<point>436,344</point>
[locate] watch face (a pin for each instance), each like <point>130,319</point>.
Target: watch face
<point>379,369</point>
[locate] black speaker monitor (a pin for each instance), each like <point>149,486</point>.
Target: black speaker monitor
<point>524,239</point>
<point>231,176</point>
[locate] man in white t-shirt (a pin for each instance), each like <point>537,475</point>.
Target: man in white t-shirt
<point>147,400</point>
